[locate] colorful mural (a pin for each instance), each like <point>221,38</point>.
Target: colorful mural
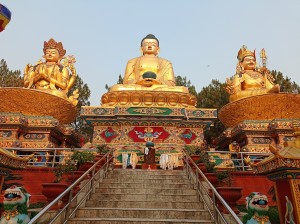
<point>144,134</point>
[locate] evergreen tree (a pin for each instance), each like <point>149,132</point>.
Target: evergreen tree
<point>213,96</point>
<point>120,81</point>
<point>83,100</point>
<point>286,85</point>
<point>9,78</point>
<point>182,81</point>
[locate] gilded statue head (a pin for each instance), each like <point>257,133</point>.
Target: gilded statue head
<point>53,51</point>
<point>247,59</point>
<point>150,45</point>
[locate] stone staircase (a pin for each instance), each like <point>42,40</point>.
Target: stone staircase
<point>143,196</point>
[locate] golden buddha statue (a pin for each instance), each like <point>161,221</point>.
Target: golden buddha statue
<point>53,76</point>
<point>249,80</point>
<point>149,72</point>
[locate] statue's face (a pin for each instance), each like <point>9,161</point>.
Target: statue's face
<point>52,55</point>
<point>150,46</point>
<point>249,63</point>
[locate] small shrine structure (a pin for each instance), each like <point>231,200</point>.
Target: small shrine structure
<point>283,167</point>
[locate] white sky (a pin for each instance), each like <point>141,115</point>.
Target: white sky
<point>201,38</point>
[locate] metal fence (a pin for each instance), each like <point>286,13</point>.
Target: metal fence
<point>237,159</point>
<point>78,199</point>
<point>209,195</point>
<point>46,157</point>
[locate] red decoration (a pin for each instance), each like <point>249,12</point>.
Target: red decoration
<point>145,134</point>
<point>187,136</point>
<point>109,134</point>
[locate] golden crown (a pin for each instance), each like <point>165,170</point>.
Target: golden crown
<point>244,52</point>
<point>52,44</point>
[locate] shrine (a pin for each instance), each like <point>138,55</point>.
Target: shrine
<point>40,114</point>
<point>257,113</point>
<point>148,106</point>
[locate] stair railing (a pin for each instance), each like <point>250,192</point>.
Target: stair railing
<point>208,194</point>
<point>94,176</point>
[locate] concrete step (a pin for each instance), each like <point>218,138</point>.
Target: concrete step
<point>146,180</point>
<point>144,185</point>
<point>123,176</point>
<point>143,197</point>
<point>97,212</point>
<point>134,221</point>
<point>156,191</point>
<point>144,204</point>
<point>146,172</point>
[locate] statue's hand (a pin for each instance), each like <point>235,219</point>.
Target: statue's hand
<point>148,82</point>
<point>229,88</point>
<point>27,69</point>
<point>73,70</point>
<point>263,70</point>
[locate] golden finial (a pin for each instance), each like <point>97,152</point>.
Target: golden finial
<point>244,52</point>
<point>52,44</point>
<point>263,57</point>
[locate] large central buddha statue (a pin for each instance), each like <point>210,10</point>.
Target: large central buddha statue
<point>149,72</point>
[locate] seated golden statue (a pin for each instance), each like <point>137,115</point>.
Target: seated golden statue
<point>52,76</point>
<point>248,80</point>
<point>149,72</point>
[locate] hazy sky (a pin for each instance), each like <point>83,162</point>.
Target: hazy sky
<point>201,38</point>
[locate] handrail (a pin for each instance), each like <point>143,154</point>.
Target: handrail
<point>69,191</point>
<point>214,212</point>
<point>52,157</point>
<point>239,161</point>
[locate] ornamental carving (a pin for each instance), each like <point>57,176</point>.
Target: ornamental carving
<point>37,103</point>
<point>261,107</point>
<point>148,99</point>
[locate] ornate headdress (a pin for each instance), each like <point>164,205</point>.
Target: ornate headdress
<point>244,52</point>
<point>52,44</point>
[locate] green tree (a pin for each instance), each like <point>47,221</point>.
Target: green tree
<point>213,96</point>
<point>286,85</point>
<point>182,81</point>
<point>83,100</point>
<point>9,78</point>
<point>120,81</point>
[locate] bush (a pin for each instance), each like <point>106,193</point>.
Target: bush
<point>60,169</point>
<point>102,149</point>
<point>80,157</point>
<point>192,150</point>
<point>210,167</point>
